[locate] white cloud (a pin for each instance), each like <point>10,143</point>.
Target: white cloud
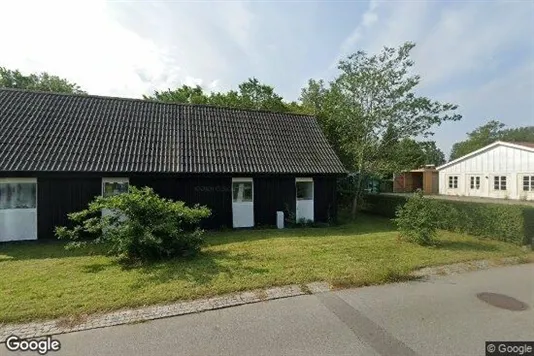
<point>465,52</point>
<point>83,42</point>
<point>451,40</point>
<point>368,19</point>
<point>468,39</point>
<point>508,98</point>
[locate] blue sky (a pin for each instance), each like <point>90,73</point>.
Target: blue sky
<point>477,54</point>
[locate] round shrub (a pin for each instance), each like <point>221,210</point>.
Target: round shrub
<point>140,226</point>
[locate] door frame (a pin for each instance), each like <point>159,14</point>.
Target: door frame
<point>243,180</point>
<point>305,180</point>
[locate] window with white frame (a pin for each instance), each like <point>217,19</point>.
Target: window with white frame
<point>304,190</point>
<point>242,191</point>
<point>114,186</point>
<point>18,195</point>
<point>499,183</point>
<point>453,182</point>
<point>474,182</point>
<point>528,183</point>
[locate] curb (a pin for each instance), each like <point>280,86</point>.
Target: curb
<point>138,315</point>
<point>130,316</point>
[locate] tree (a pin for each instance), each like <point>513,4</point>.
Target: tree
<point>488,133</point>
<point>42,82</point>
<point>184,95</point>
<point>407,154</point>
<point>254,95</point>
<point>371,96</point>
<point>251,94</point>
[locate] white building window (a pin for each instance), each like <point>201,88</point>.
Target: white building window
<point>18,195</point>
<point>528,183</point>
<point>499,183</point>
<point>475,182</point>
<point>114,186</point>
<point>453,182</point>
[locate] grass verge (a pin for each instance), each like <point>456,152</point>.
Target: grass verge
<point>42,280</point>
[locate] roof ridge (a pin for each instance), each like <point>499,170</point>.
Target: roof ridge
<point>152,101</point>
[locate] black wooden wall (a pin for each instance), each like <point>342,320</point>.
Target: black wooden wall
<point>272,194</point>
<point>213,192</point>
<point>325,199</point>
<point>60,194</point>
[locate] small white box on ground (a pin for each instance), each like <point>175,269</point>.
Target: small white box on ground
<point>280,219</point>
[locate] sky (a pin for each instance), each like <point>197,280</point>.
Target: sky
<point>476,54</point>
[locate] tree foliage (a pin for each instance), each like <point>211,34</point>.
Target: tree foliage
<point>370,105</point>
<point>141,226</point>
<point>251,94</point>
<point>411,154</point>
<point>41,82</point>
<point>488,133</point>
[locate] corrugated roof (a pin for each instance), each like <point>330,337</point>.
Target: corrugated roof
<point>83,133</point>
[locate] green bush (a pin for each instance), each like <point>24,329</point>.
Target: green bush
<point>417,220</point>
<point>141,226</point>
<point>504,222</point>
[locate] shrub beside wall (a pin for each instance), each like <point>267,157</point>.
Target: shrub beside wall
<point>504,222</point>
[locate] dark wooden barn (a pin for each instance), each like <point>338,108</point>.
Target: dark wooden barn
<point>59,151</point>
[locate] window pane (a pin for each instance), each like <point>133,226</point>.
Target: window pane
<point>18,195</point>
<point>472,182</point>
<point>450,182</point>
<point>503,183</point>
<point>304,190</point>
<point>496,183</point>
<point>247,191</point>
<point>242,192</point>
<point>115,188</point>
<point>526,183</point>
<point>477,184</point>
<point>532,183</point>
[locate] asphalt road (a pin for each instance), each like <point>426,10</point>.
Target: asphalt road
<point>442,316</point>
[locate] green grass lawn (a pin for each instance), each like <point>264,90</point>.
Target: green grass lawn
<point>42,280</point>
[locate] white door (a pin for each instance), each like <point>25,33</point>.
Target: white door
<point>243,202</point>
<point>18,209</point>
<point>304,187</point>
<point>113,186</point>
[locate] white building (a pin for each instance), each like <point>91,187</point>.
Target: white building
<point>500,170</point>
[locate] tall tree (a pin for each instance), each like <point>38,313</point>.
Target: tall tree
<point>411,154</point>
<point>42,82</point>
<point>374,94</point>
<point>488,133</point>
<point>258,96</point>
<point>251,94</point>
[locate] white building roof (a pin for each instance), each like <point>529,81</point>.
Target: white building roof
<point>527,146</point>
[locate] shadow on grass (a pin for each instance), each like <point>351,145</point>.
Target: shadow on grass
<point>41,249</point>
<point>364,224</point>
<point>466,246</point>
<point>198,270</point>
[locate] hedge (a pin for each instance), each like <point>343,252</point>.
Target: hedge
<point>504,222</point>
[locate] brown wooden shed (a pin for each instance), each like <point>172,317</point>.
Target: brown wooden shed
<point>425,178</point>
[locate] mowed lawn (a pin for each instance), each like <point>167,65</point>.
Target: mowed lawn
<point>43,280</point>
